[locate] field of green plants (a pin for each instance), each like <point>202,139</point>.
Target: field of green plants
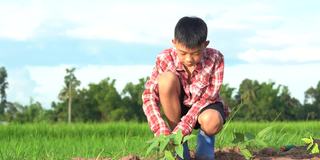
<point>67,141</point>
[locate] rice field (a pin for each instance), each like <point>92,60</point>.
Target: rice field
<point>67,141</point>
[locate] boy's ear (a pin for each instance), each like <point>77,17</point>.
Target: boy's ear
<point>173,41</point>
<point>206,43</point>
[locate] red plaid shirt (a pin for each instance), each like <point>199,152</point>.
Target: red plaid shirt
<point>203,89</point>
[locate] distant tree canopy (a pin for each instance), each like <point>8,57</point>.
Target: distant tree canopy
<point>265,101</point>
<point>101,102</point>
<point>3,86</point>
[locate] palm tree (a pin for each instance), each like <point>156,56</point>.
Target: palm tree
<point>69,90</point>
<point>3,87</point>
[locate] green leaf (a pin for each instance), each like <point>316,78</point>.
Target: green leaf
<point>246,153</point>
<point>249,136</point>
<point>154,145</point>
<point>164,143</point>
<point>179,150</point>
<point>315,149</point>
<point>306,140</point>
<point>168,155</point>
<point>171,136</point>
<point>153,139</point>
<point>162,137</point>
<point>188,137</point>
<point>239,137</point>
<point>309,146</point>
<point>178,137</point>
<point>263,132</point>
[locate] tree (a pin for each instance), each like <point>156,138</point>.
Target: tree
<point>108,100</point>
<point>132,99</point>
<point>312,95</point>
<point>3,86</point>
<point>33,112</point>
<point>226,94</point>
<point>261,100</point>
<point>86,107</point>
<point>69,90</point>
<point>312,103</point>
<point>247,98</point>
<point>13,111</point>
<point>59,111</point>
<point>289,106</point>
<point>97,102</point>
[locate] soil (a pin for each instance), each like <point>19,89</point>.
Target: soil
<point>298,152</point>
<point>294,153</point>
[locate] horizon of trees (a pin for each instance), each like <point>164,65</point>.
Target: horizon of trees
<point>101,102</point>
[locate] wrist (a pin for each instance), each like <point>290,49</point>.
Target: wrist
<point>163,131</point>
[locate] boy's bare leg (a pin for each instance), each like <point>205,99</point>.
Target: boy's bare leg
<point>169,93</point>
<point>211,122</point>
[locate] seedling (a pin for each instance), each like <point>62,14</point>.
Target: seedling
<point>168,147</point>
<point>312,146</point>
<point>248,140</point>
<point>242,140</point>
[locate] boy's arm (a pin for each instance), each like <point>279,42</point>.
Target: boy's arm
<point>210,95</point>
<point>151,108</point>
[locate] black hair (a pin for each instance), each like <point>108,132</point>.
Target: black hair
<point>191,31</point>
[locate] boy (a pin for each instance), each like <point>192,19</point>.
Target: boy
<point>186,81</point>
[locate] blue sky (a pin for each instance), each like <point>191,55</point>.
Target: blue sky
<point>262,40</point>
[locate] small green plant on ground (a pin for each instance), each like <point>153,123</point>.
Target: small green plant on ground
<point>312,146</point>
<point>246,141</point>
<point>168,147</point>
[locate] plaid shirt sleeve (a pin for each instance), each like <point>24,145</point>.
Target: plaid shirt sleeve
<point>210,95</point>
<point>150,100</point>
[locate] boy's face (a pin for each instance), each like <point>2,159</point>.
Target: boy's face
<point>189,57</point>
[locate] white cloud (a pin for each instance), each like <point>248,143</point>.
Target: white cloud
<point>49,81</point>
<point>44,83</point>
<point>287,55</point>
<point>20,21</point>
<point>243,16</point>
<point>20,85</point>
<point>296,40</point>
<point>286,35</point>
<point>124,21</point>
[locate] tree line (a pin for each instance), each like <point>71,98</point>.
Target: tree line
<point>101,102</point>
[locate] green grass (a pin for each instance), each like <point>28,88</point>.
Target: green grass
<point>282,133</point>
<point>63,141</point>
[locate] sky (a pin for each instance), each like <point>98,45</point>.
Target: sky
<point>266,40</point>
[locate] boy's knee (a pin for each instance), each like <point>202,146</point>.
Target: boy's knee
<point>168,81</point>
<point>211,122</point>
